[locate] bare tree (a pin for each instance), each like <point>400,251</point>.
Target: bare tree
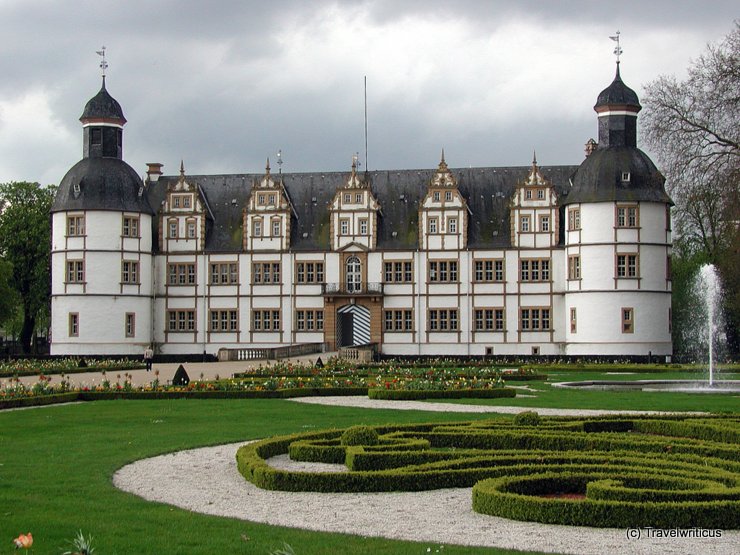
<point>694,128</point>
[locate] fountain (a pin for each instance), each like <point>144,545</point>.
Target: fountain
<point>705,340</point>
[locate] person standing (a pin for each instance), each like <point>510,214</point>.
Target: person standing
<point>148,357</point>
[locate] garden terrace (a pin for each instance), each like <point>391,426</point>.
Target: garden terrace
<point>605,472</point>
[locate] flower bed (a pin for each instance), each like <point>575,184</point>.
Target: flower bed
<point>72,365</point>
<point>562,470</point>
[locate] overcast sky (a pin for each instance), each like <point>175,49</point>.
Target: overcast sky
<point>224,85</point>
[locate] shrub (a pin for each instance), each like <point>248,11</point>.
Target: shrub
<point>527,418</point>
<point>360,435</point>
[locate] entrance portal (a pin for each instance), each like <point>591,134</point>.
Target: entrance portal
<point>353,325</point>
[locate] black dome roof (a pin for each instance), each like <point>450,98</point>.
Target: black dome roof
<point>103,105</point>
<point>617,93</point>
<point>599,178</point>
<point>103,184</point>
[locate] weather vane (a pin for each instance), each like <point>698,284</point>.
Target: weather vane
<point>617,49</point>
<point>280,161</point>
<point>103,63</point>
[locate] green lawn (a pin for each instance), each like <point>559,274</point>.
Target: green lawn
<point>56,465</point>
<point>547,396</point>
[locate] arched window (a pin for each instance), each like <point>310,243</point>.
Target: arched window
<point>353,275</point>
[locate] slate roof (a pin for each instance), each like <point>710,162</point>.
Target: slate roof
<point>103,106</point>
<point>104,184</point>
<point>617,93</point>
<point>488,193</point>
<point>599,178</point>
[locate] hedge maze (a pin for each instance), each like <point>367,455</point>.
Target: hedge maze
<point>662,472</point>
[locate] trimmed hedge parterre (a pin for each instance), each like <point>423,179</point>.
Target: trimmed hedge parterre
<point>606,472</point>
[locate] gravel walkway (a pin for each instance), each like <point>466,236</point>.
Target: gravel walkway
<point>207,481</point>
<point>367,403</point>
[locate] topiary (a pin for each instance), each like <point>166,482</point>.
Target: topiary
<point>527,418</point>
<point>360,435</point>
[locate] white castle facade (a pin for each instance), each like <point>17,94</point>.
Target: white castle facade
<point>561,260</point>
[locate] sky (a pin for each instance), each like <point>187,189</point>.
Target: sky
<point>223,85</point>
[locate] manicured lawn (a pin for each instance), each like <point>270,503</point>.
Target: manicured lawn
<point>548,396</point>
<point>56,465</point>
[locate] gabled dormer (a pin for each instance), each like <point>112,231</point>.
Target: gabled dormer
<point>183,216</point>
<point>443,215</point>
<point>267,216</point>
<point>534,211</point>
<point>354,214</point>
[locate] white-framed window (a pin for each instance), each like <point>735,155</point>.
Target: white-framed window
<point>545,224</point>
<point>265,272</point>
<point>224,273</point>
<point>130,226</point>
<point>190,229</point>
<point>363,226</point>
<point>435,196</point>
<point>627,266</point>
<point>628,216</point>
<point>265,320</point>
<point>534,269</point>
<point>488,270</point>
<point>398,320</point>
<point>130,271</point>
<point>524,226</point>
<point>309,320</point>
<point>276,227</point>
<point>130,324</point>
<point>540,194</point>
<point>573,320</point>
<point>74,324</point>
<point>574,219</point>
<point>489,319</point>
<point>180,321</point>
<point>534,319</point>
<point>271,199</point>
<point>443,271</point>
<point>257,227</point>
<point>347,198</point>
<point>75,271</point>
<point>344,226</point>
<point>261,199</point>
<point>309,272</point>
<point>172,228</point>
<point>181,273</point>
<point>433,225</point>
<point>224,320</point>
<point>442,319</point>
<point>75,225</point>
<point>452,225</point>
<point>400,271</point>
<point>448,196</point>
<point>574,267</point>
<point>358,198</point>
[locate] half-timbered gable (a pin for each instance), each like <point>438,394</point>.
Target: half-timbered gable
<point>443,215</point>
<point>267,216</point>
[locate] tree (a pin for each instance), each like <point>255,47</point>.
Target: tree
<point>693,126</point>
<point>25,243</point>
<point>8,295</point>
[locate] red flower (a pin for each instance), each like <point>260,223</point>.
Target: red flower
<point>23,541</point>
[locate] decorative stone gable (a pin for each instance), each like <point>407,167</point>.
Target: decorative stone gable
<point>534,212</point>
<point>183,217</point>
<point>354,214</point>
<point>443,215</point>
<point>267,216</point>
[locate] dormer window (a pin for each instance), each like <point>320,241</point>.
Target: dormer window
<point>186,201</point>
<point>626,177</point>
<point>528,194</point>
<point>452,225</point>
<point>261,199</point>
<point>176,202</point>
<point>358,198</point>
<point>540,194</point>
<point>448,196</point>
<point>347,198</point>
<point>272,200</point>
<point>257,227</point>
<point>276,227</point>
<point>435,196</point>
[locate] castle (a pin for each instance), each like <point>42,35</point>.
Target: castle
<point>558,260</point>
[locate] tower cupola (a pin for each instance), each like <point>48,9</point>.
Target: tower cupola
<point>617,107</point>
<point>102,126</point>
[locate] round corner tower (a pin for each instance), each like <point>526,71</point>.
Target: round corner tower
<point>101,253</point>
<point>617,240</point>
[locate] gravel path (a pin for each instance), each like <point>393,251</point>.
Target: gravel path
<point>367,403</point>
<point>207,481</point>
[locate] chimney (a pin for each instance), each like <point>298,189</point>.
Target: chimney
<point>153,172</point>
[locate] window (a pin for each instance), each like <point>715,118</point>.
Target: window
<point>627,266</point>
<point>573,326</point>
<point>130,271</point>
<point>257,227</point>
<point>433,222</point>
<point>443,319</point>
<point>452,225</point>
<point>398,320</point>
<point>75,271</point>
<point>276,227</point>
<point>574,219</point>
<point>540,194</point>
<point>309,320</point>
<point>448,196</point>
<point>224,273</point>
<point>626,176</point>
<point>186,200</point>
<point>545,224</point>
<point>181,320</point>
<point>74,324</point>
<point>524,224</point>
<point>535,319</point>
<point>627,216</point>
<point>443,271</point>
<point>261,199</point>
<point>435,196</point>
<point>363,226</point>
<point>265,272</point>
<point>528,194</point>
<point>347,198</point>
<point>181,274</point>
<point>574,267</point>
<point>96,136</point>
<point>309,272</point>
<point>182,201</point>
<point>488,270</point>
<point>130,226</point>
<point>266,320</point>
<point>190,226</point>
<point>75,226</point>
<point>176,202</point>
<point>535,269</point>
<point>344,226</point>
<point>398,272</point>
<point>628,320</point>
<point>668,218</point>
<point>358,198</point>
<point>130,324</point>
<point>271,200</point>
<point>488,319</point>
<point>668,267</point>
<point>224,320</point>
<point>172,229</point>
